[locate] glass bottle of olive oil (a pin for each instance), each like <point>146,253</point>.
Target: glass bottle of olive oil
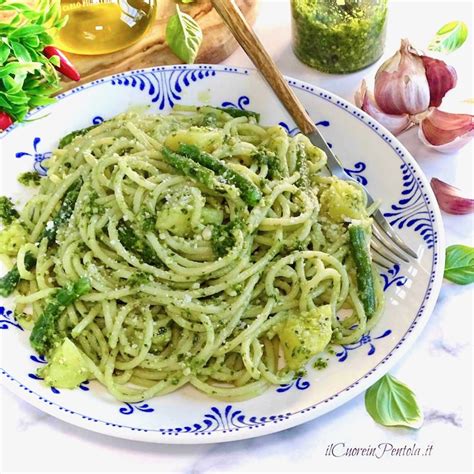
<point>103,26</point>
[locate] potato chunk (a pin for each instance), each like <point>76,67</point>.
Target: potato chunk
<point>304,335</point>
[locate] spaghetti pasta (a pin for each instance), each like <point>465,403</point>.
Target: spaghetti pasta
<point>217,253</point>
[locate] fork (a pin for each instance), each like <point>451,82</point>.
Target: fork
<point>387,246</point>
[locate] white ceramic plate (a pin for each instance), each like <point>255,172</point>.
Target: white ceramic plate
<point>370,154</point>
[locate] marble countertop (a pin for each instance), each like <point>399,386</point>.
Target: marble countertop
<point>438,368</point>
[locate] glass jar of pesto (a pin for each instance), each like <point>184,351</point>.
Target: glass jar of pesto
<point>339,36</point>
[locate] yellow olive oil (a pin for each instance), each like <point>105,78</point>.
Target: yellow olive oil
<point>103,26</point>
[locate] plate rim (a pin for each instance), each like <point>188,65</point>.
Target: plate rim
<point>311,412</point>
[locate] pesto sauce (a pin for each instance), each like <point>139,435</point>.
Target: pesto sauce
<point>8,213</point>
<point>338,36</point>
<point>30,179</point>
<point>320,363</point>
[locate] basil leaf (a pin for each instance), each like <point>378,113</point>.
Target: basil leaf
<point>4,52</point>
<point>391,403</point>
<point>459,266</point>
<point>449,37</point>
<point>27,30</point>
<point>21,53</point>
<point>18,68</point>
<point>184,36</point>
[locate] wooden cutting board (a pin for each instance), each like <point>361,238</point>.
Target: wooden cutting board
<point>152,50</point>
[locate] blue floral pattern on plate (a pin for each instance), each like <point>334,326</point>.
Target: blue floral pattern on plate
<point>130,408</point>
<point>164,88</point>
<point>7,319</point>
<point>357,171</point>
<point>393,277</point>
<point>226,419</point>
<point>410,211</point>
<point>299,384</point>
<point>367,338</point>
<point>37,155</point>
<point>242,101</point>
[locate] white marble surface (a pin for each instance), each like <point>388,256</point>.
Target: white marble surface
<point>438,368</point>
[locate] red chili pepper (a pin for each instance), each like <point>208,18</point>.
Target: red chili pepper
<point>5,120</point>
<point>65,66</point>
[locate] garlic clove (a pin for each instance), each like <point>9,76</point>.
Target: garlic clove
<point>446,132</point>
<point>401,86</point>
<point>441,78</point>
<point>364,99</point>
<point>449,198</point>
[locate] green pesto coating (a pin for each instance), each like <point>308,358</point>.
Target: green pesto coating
<point>64,213</point>
<point>8,213</point>
<point>136,245</point>
<point>337,36</point>
<point>45,334</point>
<point>223,238</point>
<point>363,263</point>
<point>302,168</point>
<point>269,158</point>
<point>30,179</point>
<point>249,193</point>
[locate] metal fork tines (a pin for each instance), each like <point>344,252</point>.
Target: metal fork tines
<point>394,242</point>
<point>385,253</point>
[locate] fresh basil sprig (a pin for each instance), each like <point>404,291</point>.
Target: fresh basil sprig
<point>27,76</point>
<point>459,266</point>
<point>391,403</point>
<point>184,36</point>
<point>449,37</point>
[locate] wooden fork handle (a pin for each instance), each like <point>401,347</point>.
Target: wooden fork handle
<point>250,43</point>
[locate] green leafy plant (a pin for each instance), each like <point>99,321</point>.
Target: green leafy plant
<point>27,76</point>
<point>391,403</point>
<point>449,37</point>
<point>459,266</point>
<point>184,36</point>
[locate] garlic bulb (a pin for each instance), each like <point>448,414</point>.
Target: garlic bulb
<point>364,99</point>
<point>401,85</point>
<point>446,132</point>
<point>408,89</point>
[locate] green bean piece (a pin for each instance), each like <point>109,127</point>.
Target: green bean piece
<point>9,282</point>
<point>234,112</point>
<point>190,168</point>
<point>250,194</point>
<point>71,136</point>
<point>363,262</point>
<point>45,333</point>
